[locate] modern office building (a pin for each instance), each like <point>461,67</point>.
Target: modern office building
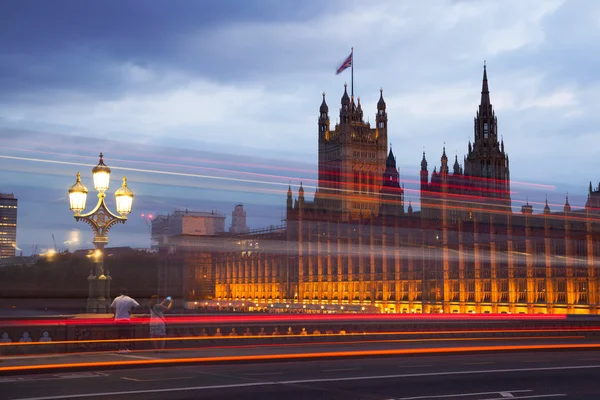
<point>8,225</point>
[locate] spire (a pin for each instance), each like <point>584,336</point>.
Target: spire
<point>410,209</point>
<point>423,163</point>
<point>391,160</point>
<point>456,165</point>
<point>359,108</point>
<point>546,207</point>
<point>301,190</point>
<point>567,207</point>
<point>345,97</point>
<point>381,102</point>
<point>289,201</point>
<point>470,147</point>
<point>324,109</point>
<point>591,187</point>
<point>485,91</point>
<point>444,168</point>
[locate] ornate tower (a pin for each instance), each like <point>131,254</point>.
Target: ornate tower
<point>352,159</point>
<point>392,194</point>
<point>425,206</point>
<point>486,165</point>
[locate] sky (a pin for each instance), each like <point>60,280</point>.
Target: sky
<point>205,104</point>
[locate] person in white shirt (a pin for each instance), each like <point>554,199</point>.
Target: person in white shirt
<point>122,307</point>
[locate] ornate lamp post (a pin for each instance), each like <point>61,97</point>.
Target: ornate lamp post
<point>101,219</point>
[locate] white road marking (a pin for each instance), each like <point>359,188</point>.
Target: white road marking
<point>320,380</point>
<point>479,363</point>
<point>262,373</point>
<point>508,395</point>
<point>132,356</point>
<point>536,396</point>
<point>341,369</point>
<point>156,380</point>
<point>414,366</point>
<point>79,375</point>
<point>445,396</point>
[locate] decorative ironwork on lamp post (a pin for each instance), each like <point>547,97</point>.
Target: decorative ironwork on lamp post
<point>101,219</point>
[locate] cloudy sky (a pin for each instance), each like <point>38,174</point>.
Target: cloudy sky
<point>203,104</point>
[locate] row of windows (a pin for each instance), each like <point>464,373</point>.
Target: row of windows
<point>363,206</point>
<point>3,206</point>
<point>364,183</point>
<point>365,154</point>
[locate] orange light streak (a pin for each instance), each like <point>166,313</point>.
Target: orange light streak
<point>226,337</point>
<point>300,356</point>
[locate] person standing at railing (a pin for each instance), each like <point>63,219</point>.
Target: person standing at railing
<point>158,326</point>
<point>122,307</point>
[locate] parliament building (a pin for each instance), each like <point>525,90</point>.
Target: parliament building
<point>359,246</point>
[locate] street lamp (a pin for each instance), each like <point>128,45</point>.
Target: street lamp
<point>101,219</point>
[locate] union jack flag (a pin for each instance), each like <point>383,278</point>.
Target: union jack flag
<point>346,64</point>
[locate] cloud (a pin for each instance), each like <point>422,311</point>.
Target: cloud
<point>244,81</point>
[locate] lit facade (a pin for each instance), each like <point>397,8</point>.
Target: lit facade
<point>8,225</point>
<point>465,251</point>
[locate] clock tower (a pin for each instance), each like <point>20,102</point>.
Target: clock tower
<point>352,159</point>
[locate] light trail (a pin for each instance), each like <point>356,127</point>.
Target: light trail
<point>300,356</point>
<point>282,318</point>
<point>288,345</point>
<point>230,171</point>
<point>150,171</point>
<point>283,335</point>
<point>260,166</point>
<point>350,193</point>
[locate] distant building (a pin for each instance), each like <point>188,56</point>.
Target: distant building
<point>8,225</point>
<point>24,261</point>
<point>186,223</point>
<point>238,220</point>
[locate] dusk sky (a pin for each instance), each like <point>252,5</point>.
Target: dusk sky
<point>205,104</point>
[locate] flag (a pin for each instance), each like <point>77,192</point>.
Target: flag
<point>346,64</point>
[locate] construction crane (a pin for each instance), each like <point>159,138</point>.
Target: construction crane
<point>148,220</point>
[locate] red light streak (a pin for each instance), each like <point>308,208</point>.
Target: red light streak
<point>283,318</point>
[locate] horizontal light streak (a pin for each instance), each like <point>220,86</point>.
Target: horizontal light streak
<point>239,171</point>
<point>226,337</point>
<point>306,318</point>
<point>299,356</point>
<point>151,171</point>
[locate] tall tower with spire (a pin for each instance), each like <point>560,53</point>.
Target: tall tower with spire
<point>484,182</point>
<point>486,165</point>
<point>352,159</point>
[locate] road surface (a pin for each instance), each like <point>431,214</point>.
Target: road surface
<point>519,375</point>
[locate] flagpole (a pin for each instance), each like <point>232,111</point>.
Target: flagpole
<point>352,75</point>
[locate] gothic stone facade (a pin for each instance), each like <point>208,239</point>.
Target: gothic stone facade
<point>465,251</point>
